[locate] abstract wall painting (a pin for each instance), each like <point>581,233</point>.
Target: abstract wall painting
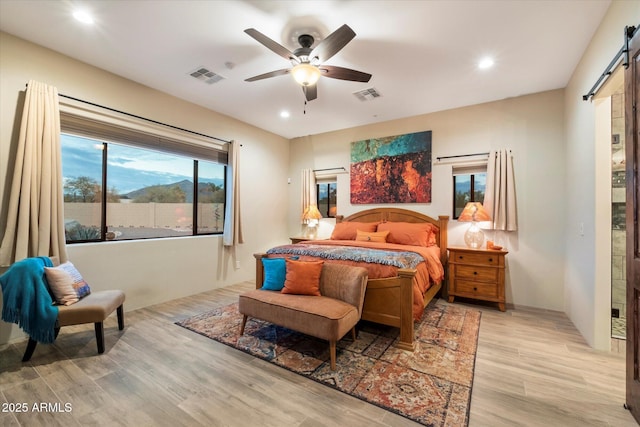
<point>393,169</point>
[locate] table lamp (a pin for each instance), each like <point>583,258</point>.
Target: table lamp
<point>473,212</point>
<point>311,216</point>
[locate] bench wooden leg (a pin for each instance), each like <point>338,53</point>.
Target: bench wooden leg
<point>353,333</point>
<point>332,351</point>
<point>120,312</point>
<point>100,336</point>
<point>244,323</point>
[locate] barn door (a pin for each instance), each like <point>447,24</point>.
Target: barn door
<point>632,121</point>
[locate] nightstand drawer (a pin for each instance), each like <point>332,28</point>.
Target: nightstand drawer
<point>476,273</point>
<point>482,258</point>
<point>476,289</point>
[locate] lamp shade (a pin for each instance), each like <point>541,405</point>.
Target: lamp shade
<point>474,211</point>
<point>305,74</point>
<point>311,212</point>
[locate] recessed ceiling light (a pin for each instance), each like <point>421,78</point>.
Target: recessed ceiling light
<point>284,114</point>
<point>83,16</point>
<point>485,63</point>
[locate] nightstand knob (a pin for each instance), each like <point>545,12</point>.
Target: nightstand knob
<point>475,289</point>
<point>490,259</point>
<point>460,257</point>
<point>475,273</point>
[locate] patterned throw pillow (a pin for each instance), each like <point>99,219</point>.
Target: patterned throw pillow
<point>66,283</point>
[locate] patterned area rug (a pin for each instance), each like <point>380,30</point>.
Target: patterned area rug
<point>431,385</point>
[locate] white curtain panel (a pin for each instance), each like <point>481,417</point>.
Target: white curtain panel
<point>500,193</point>
<point>232,220</point>
<point>308,190</point>
<point>35,217</point>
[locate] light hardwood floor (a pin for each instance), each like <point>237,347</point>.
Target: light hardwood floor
<point>532,369</point>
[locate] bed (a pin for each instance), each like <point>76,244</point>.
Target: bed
<point>393,300</point>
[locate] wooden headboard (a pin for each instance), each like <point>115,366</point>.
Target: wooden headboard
<point>403,215</point>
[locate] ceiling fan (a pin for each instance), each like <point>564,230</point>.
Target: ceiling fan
<point>308,62</point>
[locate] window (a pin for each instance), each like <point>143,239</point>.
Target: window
<point>468,186</point>
<point>327,193</point>
<point>126,184</point>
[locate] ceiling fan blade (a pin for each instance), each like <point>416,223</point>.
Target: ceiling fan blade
<point>333,43</point>
<point>344,73</point>
<point>310,92</point>
<point>270,44</point>
<point>269,74</point>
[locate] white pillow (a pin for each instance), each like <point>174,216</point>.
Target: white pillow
<point>66,283</point>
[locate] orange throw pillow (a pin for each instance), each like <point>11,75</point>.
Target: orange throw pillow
<point>378,236</point>
<point>303,277</point>
<point>409,233</point>
<point>348,230</point>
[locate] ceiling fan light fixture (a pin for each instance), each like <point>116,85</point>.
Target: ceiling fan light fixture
<point>305,74</point>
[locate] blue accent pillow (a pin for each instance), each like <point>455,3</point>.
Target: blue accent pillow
<point>275,272</point>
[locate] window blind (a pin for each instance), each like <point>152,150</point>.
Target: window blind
<point>109,126</point>
<point>469,169</point>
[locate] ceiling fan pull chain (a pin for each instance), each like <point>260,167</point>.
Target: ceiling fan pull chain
<point>304,110</point>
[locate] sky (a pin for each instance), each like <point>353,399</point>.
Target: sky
<point>130,168</point>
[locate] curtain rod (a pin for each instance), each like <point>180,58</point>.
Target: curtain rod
<point>141,118</point>
<point>462,155</point>
<point>624,50</point>
<point>330,169</point>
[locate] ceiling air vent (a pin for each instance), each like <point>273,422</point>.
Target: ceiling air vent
<point>205,75</point>
<point>367,94</point>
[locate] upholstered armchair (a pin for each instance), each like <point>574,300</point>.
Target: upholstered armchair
<point>28,300</point>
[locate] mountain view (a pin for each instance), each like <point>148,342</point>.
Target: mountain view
<point>205,189</point>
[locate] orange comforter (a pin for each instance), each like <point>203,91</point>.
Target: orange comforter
<point>428,272</point>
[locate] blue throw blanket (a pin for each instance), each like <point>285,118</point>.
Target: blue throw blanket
<point>26,299</point>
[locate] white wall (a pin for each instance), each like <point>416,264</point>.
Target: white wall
<point>587,293</point>
<point>531,126</point>
<point>150,271</point>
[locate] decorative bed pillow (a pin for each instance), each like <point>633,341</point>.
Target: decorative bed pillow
<point>409,233</point>
<point>303,277</point>
<point>348,230</point>
<point>66,283</point>
<point>275,271</point>
<point>378,236</point>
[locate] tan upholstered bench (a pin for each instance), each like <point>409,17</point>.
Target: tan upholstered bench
<point>327,317</point>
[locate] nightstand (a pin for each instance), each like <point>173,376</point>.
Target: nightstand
<point>298,239</point>
<point>478,274</point>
